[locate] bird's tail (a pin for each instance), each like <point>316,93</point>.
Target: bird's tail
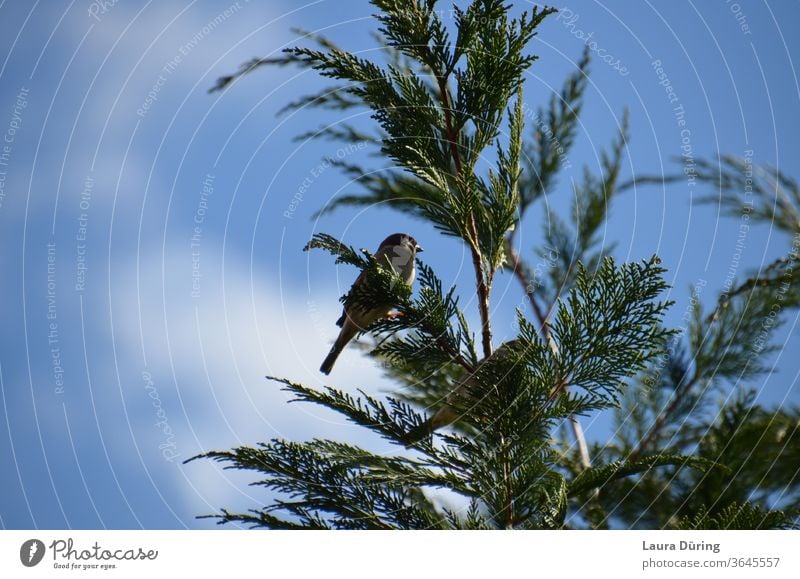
<point>330,360</point>
<point>444,416</point>
<point>336,349</point>
<point>419,432</point>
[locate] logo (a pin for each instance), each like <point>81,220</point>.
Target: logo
<point>31,552</point>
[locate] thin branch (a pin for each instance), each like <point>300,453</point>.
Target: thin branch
<point>483,288</point>
<point>761,279</point>
<point>477,258</point>
<point>519,269</point>
<point>662,418</point>
<point>580,439</point>
<point>454,354</point>
<point>509,510</point>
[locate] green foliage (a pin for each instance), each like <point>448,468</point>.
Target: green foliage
<point>763,192</point>
<point>611,326</point>
<point>329,485</point>
<point>437,136</point>
<point>595,478</point>
<point>760,448</point>
<point>436,331</point>
<point>553,135</point>
<point>503,462</point>
<point>681,458</point>
<point>383,286</point>
<point>744,516</point>
<point>672,406</point>
<point>581,242</point>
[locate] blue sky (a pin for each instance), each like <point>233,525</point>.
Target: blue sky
<point>151,231</point>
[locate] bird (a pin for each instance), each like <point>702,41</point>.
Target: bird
<point>464,393</point>
<point>397,251</point>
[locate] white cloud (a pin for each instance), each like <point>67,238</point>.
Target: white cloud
<point>218,347</point>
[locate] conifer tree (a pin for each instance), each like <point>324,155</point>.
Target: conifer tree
<point>514,453</point>
<point>701,394</point>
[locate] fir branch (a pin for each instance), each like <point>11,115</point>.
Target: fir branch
<point>778,276</point>
<point>739,516</point>
<point>253,64</point>
<point>727,344</point>
<point>581,243</point>
<point>608,327</point>
<point>342,132</point>
<point>597,477</point>
<point>367,411</point>
<point>553,135</point>
<point>521,271</point>
<point>333,98</point>
<point>383,284</point>
<point>400,191</point>
<point>762,192</point>
<point>760,448</point>
<point>591,201</point>
<point>433,338</point>
<point>439,101</point>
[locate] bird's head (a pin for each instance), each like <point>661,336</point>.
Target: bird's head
<point>402,240</point>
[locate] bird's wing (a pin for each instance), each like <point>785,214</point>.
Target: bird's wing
<point>359,280</point>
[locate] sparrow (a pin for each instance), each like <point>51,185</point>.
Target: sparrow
<point>397,251</point>
<point>465,393</point>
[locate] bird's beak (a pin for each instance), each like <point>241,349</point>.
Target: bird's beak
<point>419,249</point>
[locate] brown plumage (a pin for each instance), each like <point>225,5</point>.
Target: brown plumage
<point>461,396</point>
<point>398,251</point>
